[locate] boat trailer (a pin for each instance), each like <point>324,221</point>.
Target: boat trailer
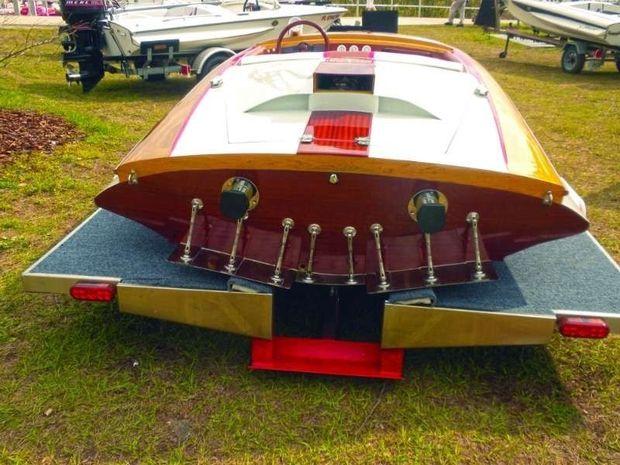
<point>570,286</point>
<point>82,40</point>
<point>576,54</point>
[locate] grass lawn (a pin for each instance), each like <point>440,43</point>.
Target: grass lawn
<point>82,384</point>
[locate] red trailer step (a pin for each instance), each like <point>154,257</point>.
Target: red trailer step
<point>327,356</point>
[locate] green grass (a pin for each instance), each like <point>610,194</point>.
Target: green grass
<point>191,399</point>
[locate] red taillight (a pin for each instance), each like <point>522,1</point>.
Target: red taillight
<point>588,328</point>
<point>93,292</point>
<point>186,70</point>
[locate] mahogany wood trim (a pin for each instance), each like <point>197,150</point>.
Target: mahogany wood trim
<point>342,164</point>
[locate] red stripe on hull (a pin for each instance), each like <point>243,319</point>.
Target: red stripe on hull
<point>337,133</point>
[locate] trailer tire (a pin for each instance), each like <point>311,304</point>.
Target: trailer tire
<point>211,64</point>
<point>572,60</point>
<point>618,63</point>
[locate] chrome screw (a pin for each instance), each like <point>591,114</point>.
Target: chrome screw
<point>132,178</point>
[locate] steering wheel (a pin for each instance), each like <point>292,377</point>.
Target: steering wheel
<point>299,23</point>
<point>247,6</point>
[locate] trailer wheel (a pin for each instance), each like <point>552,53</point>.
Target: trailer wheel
<point>211,64</point>
<point>618,63</point>
<point>572,61</point>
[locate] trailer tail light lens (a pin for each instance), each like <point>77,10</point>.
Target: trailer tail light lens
<point>93,292</point>
<point>585,328</point>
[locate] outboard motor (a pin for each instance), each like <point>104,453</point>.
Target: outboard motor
<point>82,41</point>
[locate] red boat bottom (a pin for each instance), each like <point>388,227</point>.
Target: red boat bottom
<point>327,357</point>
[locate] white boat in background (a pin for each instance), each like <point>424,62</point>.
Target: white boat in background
<point>154,40</point>
<point>591,21</point>
<point>232,24</point>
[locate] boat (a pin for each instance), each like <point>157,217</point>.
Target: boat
<point>339,198</point>
<point>588,32</point>
<point>233,24</point>
<point>153,41</point>
<point>590,21</point>
<point>383,162</point>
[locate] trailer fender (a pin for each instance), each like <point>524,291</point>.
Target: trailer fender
<point>582,47</point>
<point>198,64</point>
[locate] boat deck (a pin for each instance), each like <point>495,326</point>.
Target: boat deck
<point>573,274</point>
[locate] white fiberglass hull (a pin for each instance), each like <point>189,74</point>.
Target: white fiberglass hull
<point>236,31</point>
<point>572,20</point>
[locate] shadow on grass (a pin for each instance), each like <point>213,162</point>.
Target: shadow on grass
<point>498,390</point>
<point>114,90</point>
<point>598,79</point>
<point>608,198</point>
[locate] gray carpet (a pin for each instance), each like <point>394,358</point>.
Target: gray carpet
<point>567,274</point>
<point>571,274</point>
<point>111,245</point>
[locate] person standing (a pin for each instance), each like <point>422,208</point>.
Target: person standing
<point>454,8</point>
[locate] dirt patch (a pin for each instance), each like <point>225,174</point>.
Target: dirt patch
<point>27,131</point>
